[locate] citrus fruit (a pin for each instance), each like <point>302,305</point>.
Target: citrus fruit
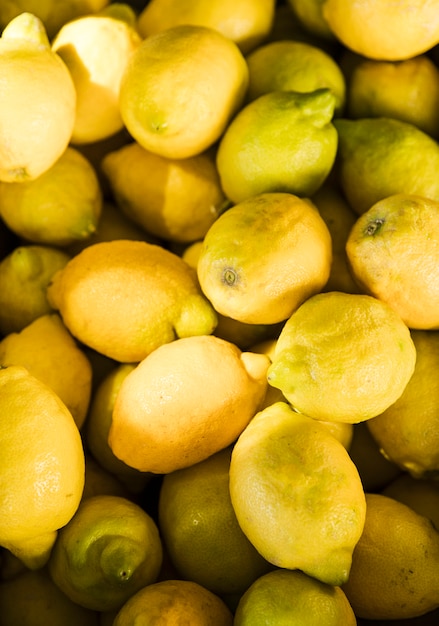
<point>379,157</point>
<point>59,207</point>
<point>420,494</point>
<point>98,481</point>
<point>96,49</point>
<point>283,141</point>
<point>48,351</point>
<point>41,467</point>
<point>394,573</point>
<point>291,65</point>
<point>185,401</point>
<point>310,16</point>
<point>174,603</point>
<point>343,357</point>
<point>246,22</point>
<point>178,201</point>
<point>384,30</point>
<point>289,474</point>
<point>110,549</point>
<point>407,432</point>
<point>38,103</point>
<point>201,533</point>
<point>104,296</point>
<point>392,249</point>
<point>176,76</point>
<point>24,275</point>
<point>286,598</point>
<point>296,246</point>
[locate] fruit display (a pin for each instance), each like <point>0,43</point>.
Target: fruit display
<point>219,313</point>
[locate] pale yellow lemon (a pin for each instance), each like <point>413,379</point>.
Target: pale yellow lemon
<point>288,474</point>
<point>42,466</point>
<point>343,357</point>
<point>104,296</point>
<point>180,89</point>
<point>246,22</point>
<point>174,409</point>
<point>96,49</point>
<point>294,241</point>
<point>38,103</point>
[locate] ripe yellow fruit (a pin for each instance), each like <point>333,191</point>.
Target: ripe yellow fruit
<point>180,89</point>
<point>41,466</point>
<point>343,357</point>
<point>185,401</point>
<point>38,101</point>
<point>297,494</point>
<point>124,298</point>
<point>296,247</point>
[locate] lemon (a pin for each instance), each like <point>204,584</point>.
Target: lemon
<point>32,599</point>
<point>291,597</point>
<point>310,16</point>
<point>104,296</point>
<point>407,432</point>
<point>246,22</point>
<point>201,533</point>
<point>392,249</point>
<point>61,206</point>
<point>383,29</point>
<point>343,357</point>
<point>110,549</point>
<point>42,466</point>
<point>38,103</point>
<point>420,494</point>
<point>295,243</point>
<point>394,573</point>
<point>174,409</point>
<point>98,481</point>
<point>174,77</point>
<point>283,141</point>
<point>380,157</point>
<point>289,474</point>
<point>24,275</point>
<point>179,199</point>
<point>48,351</point>
<point>96,49</point>
<point>291,65</point>
<point>405,90</point>
<point>174,603</point>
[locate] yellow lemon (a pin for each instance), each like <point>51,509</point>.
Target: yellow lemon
<point>291,597</point>
<point>392,249</point>
<point>380,157</point>
<point>404,90</point>
<point>48,351</point>
<point>38,101</point>
<point>174,409</point>
<point>394,573</point>
<point>201,533</point>
<point>41,467</point>
<point>283,141</point>
<point>24,275</point>
<point>407,432</point>
<point>291,65</point>
<point>96,49</point>
<point>179,199</point>
<point>420,494</point>
<point>180,89</point>
<point>296,247</point>
<point>343,357</point>
<point>174,603</point>
<point>310,16</point>
<point>383,29</point>
<point>246,22</point>
<point>290,475</point>
<point>59,207</point>
<point>104,295</point>
<point>108,551</point>
<point>33,599</point>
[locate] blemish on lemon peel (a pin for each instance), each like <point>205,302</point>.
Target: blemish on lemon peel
<point>373,227</point>
<point>230,277</point>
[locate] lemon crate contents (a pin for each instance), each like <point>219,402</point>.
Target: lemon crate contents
<point>219,313</point>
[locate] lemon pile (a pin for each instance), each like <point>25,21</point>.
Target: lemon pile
<point>219,312</point>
